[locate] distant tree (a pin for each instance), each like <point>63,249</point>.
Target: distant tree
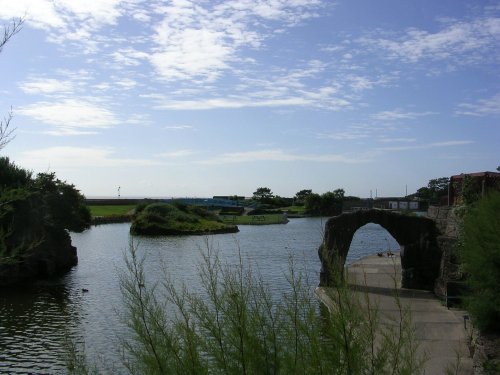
<point>301,196</point>
<point>339,194</point>
<point>498,168</point>
<point>313,204</point>
<point>263,195</point>
<point>435,189</point>
<point>327,204</point>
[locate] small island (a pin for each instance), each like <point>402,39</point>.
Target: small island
<point>163,219</point>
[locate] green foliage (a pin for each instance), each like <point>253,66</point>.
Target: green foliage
<point>263,195</point>
<point>301,196</point>
<point>435,189</point>
<point>34,208</point>
<point>12,176</point>
<point>470,189</point>
<point>176,219</point>
<point>327,204</point>
<point>235,326</point>
<point>480,254</point>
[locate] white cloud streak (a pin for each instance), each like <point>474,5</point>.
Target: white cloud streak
<point>482,107</point>
<point>397,114</point>
<point>66,157</point>
<point>70,116</point>
<point>280,156</point>
<point>464,42</point>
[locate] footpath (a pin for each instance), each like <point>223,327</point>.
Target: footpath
<point>440,332</point>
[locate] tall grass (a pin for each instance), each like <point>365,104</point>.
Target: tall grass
<point>235,326</point>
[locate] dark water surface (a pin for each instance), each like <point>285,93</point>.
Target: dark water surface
<point>35,322</point>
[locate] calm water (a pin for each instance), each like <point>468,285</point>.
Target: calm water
<point>36,322</point>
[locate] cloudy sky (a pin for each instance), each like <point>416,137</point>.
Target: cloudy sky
<point>206,97</point>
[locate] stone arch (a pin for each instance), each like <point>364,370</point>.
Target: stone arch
<point>420,253</point>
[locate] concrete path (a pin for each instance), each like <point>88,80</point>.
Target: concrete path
<point>440,332</point>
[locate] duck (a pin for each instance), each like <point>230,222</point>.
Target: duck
<point>84,290</point>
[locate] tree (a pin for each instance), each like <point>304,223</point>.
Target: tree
<point>301,196</point>
<point>33,210</point>
<point>436,188</point>
<point>339,194</point>
<point>313,204</point>
<point>327,204</point>
<point>263,195</point>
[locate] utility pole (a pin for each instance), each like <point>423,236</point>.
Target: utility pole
<point>119,192</point>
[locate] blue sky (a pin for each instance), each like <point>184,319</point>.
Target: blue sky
<point>202,98</point>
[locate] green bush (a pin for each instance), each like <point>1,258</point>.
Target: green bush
<point>233,325</point>
<point>480,255</point>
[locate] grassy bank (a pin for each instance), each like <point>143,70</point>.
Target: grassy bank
<point>255,219</point>
<point>110,210</point>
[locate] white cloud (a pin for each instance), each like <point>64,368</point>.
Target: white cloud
<point>46,86</point>
<point>65,20</point>
<point>219,103</point>
<point>129,57</point>
<point>126,83</point>
<point>399,115</point>
<point>194,42</point>
<point>461,41</point>
<point>426,146</point>
<point>177,154</point>
<point>280,156</point>
<point>70,116</point>
<point>482,107</point>
<point>77,157</point>
<point>178,127</point>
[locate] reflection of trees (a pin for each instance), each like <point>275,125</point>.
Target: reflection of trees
<point>36,322</point>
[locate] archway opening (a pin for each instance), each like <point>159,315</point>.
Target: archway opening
<point>371,239</point>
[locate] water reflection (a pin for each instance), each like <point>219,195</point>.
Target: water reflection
<point>34,322</point>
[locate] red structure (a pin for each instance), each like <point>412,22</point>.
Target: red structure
<point>478,183</point>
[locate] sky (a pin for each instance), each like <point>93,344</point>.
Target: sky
<point>199,98</point>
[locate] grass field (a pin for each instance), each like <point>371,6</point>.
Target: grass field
<point>110,210</point>
<point>255,219</point>
<point>299,210</point>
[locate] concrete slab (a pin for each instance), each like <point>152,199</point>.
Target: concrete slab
<point>440,332</point>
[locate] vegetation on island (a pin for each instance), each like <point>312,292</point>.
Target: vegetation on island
<point>177,219</point>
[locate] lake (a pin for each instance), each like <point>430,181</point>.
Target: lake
<point>36,322</point>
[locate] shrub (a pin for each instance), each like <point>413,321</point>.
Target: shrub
<point>480,254</point>
<point>235,326</point>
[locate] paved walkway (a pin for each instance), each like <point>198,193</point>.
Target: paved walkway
<point>439,331</point>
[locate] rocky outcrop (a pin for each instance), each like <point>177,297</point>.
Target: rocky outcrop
<point>49,257</point>
<point>417,237</point>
